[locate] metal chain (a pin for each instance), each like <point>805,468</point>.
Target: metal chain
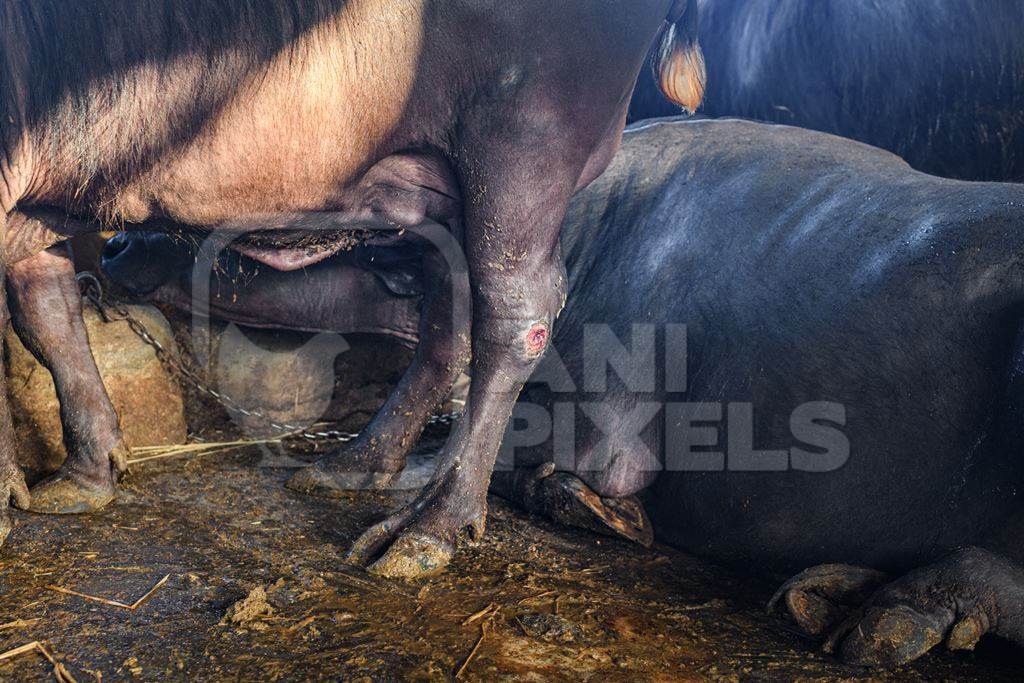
<point>93,291</point>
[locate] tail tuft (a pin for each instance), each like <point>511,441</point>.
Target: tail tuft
<point>679,63</point>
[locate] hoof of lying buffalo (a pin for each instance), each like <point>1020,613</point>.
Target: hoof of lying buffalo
<point>65,494</point>
<point>820,598</point>
<point>566,499</point>
<point>316,481</point>
<point>887,638</point>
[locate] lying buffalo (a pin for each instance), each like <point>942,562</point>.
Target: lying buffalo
<point>936,81</point>
<point>276,115</point>
<point>846,388</point>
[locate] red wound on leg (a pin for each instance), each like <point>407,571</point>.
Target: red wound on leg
<point>537,338</point>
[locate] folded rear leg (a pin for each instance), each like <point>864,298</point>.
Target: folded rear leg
<point>46,309</point>
<point>595,491</point>
<point>820,598</point>
<point>955,601</point>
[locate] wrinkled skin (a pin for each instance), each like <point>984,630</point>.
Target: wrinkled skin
<point>46,309</point>
<point>849,278</point>
<point>934,81</point>
<point>290,117</point>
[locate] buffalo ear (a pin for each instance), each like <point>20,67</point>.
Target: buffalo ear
<point>679,61</point>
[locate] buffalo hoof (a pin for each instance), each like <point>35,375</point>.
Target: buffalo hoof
<point>819,598</point>
<point>421,538</point>
<point>566,499</point>
<point>316,480</point>
<point>66,493</point>
<point>955,601</point>
<point>412,556</point>
<point>119,460</point>
<point>12,488</point>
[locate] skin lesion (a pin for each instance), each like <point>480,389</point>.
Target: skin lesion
<point>537,339</point>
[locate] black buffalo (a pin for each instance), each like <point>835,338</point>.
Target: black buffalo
<point>938,82</point>
<point>821,365</point>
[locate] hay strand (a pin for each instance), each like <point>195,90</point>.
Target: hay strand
<point>60,672</point>
<point>195,449</point>
<point>491,611</point>
<point>113,603</point>
<point>472,653</point>
<point>18,623</point>
<point>27,647</point>
<point>482,613</point>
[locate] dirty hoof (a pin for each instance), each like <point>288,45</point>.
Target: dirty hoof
<point>396,549</point>
<point>821,597</point>
<point>565,499</point>
<point>888,637</point>
<point>6,525</point>
<point>420,539</point>
<point>65,494</point>
<point>314,480</point>
<point>955,601</point>
<point>12,488</point>
<point>412,556</point>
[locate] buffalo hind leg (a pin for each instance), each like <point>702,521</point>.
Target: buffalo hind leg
<point>513,213</point>
<point>379,453</point>
<point>955,601</point>
<point>421,538</point>
<point>46,308</point>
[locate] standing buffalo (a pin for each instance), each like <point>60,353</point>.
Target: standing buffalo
<point>939,82</point>
<point>272,115</point>
<point>847,387</point>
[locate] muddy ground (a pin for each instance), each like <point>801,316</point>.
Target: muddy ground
<point>258,589</point>
<point>565,605</point>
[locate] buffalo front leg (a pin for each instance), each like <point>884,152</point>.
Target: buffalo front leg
<point>518,284</point>
<point>46,308</point>
<point>379,453</point>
